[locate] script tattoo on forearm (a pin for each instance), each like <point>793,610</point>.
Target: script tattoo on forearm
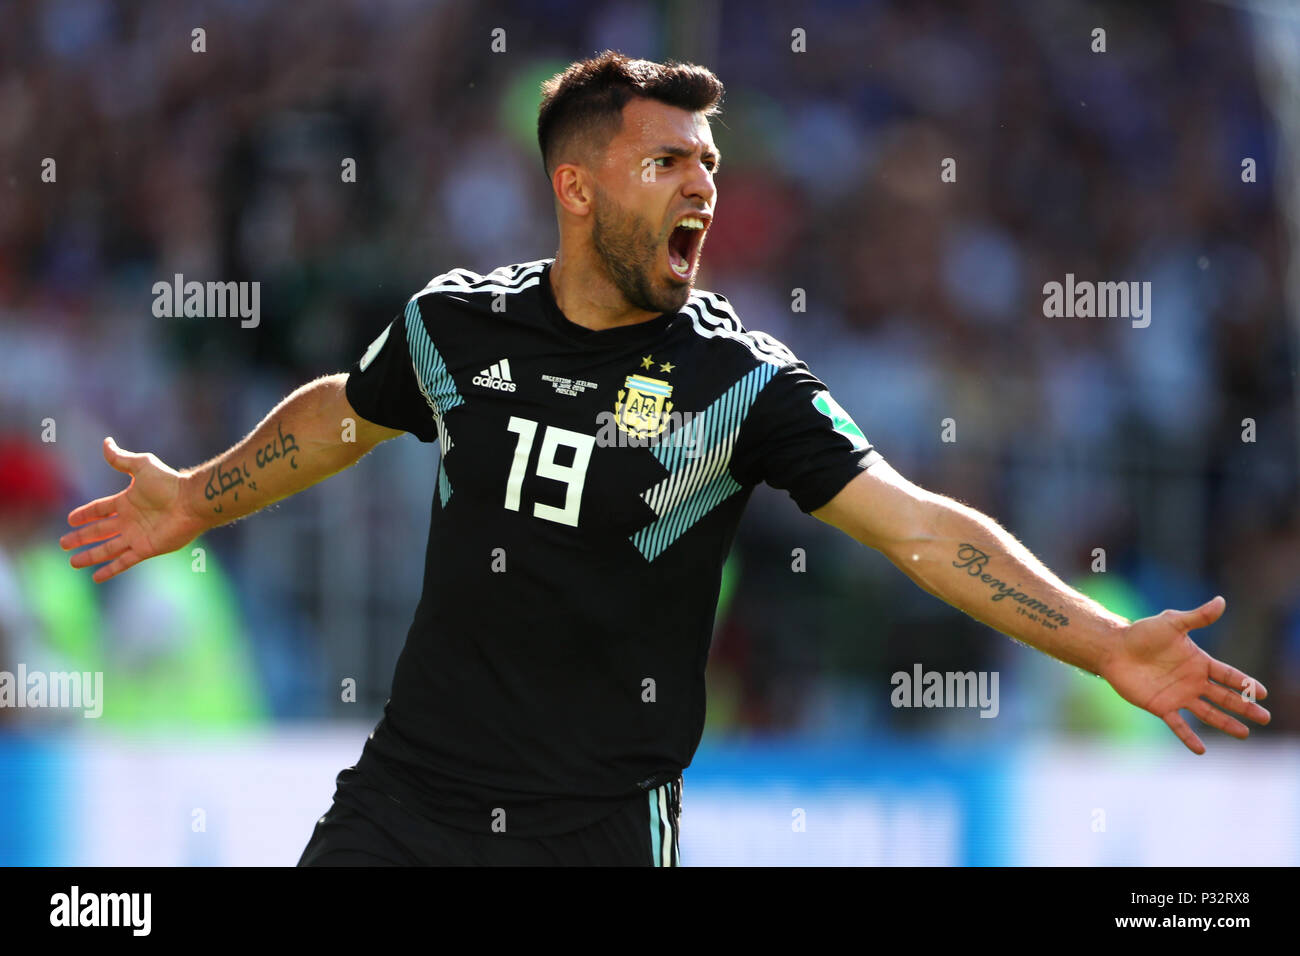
<point>283,447</point>
<point>223,480</point>
<point>973,560</point>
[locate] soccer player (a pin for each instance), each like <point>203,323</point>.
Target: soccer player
<point>602,424</point>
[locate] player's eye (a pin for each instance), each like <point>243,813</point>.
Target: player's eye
<point>665,161</point>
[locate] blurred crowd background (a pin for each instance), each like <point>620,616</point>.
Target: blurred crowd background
<point>924,303</point>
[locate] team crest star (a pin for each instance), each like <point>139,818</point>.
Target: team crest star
<point>647,361</point>
<point>667,367</point>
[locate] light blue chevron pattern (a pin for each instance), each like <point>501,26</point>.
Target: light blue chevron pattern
<point>436,384</point>
<point>697,457</point>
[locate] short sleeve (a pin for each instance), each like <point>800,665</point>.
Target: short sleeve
<point>382,386</point>
<point>797,438</point>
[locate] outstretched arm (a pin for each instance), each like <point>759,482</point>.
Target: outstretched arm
<point>965,558</point>
<point>302,441</point>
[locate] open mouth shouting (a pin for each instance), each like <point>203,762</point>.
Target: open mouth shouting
<point>684,243</point>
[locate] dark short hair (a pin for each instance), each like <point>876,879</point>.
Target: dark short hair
<point>587,99</point>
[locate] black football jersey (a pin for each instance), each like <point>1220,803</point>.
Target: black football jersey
<point>588,491</point>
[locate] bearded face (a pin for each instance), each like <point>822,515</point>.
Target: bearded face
<point>638,256</point>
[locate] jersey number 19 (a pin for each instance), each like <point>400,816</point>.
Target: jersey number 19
<point>574,475</point>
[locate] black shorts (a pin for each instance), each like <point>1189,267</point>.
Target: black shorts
<point>367,827</point>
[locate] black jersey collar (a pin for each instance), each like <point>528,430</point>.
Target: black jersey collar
<point>596,337</point>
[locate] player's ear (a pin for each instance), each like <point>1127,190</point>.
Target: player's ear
<point>573,188</point>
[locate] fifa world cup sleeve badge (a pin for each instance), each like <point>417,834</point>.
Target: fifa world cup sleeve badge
<point>841,422</point>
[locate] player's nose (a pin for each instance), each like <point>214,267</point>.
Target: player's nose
<point>699,185</point>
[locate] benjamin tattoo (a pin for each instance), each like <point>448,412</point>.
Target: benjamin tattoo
<point>973,560</point>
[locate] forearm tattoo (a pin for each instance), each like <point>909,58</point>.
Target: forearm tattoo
<point>222,481</point>
<point>973,561</point>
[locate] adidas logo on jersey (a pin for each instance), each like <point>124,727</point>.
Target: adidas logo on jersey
<point>498,377</point>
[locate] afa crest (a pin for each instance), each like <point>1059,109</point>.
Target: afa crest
<point>643,406</point>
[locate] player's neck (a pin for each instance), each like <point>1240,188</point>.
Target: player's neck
<point>588,297</point>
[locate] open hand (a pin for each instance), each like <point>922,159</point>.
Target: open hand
<point>145,519</point>
<point>1157,667</point>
